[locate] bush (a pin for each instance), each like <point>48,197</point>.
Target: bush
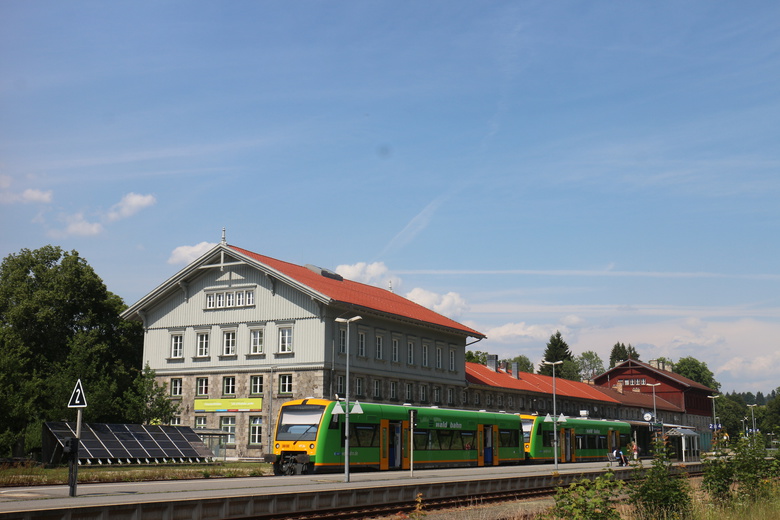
<point>589,499</point>
<point>662,494</point>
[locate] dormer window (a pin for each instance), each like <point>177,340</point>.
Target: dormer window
<point>230,299</point>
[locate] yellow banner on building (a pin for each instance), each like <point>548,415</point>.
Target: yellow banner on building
<point>228,405</point>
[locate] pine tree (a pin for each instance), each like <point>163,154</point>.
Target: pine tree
<point>557,350</point>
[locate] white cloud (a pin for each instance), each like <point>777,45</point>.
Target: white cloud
<point>30,195</point>
<point>375,273</point>
<point>451,304</point>
<point>186,254</point>
<point>520,332</point>
<point>77,225</point>
<point>130,204</point>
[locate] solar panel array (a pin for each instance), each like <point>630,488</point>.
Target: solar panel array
<point>132,443</point>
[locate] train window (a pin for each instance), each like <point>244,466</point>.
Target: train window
<point>420,439</point>
<point>363,435</point>
<point>299,423</point>
<point>602,442</point>
<point>579,441</point>
<point>467,440</point>
<point>508,438</point>
<point>441,439</point>
<point>547,439</point>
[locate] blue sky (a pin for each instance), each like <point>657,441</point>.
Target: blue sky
<point>606,169</point>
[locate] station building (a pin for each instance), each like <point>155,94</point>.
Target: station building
<point>235,334</point>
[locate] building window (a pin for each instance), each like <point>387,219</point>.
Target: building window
<point>359,386</point>
<point>256,385</point>
<point>177,340</point>
<point>202,386</point>
<point>255,430</point>
<point>285,383</point>
<point>229,299</point>
<point>228,424</point>
<point>361,344</point>
<point>450,396</point>
<point>452,360</point>
<point>393,390</point>
<point>229,385</point>
<point>175,421</point>
<point>343,341</point>
<point>409,392</point>
<point>437,395</point>
<point>203,345</point>
<point>395,348</point>
<point>377,389</point>
<point>424,393</point>
<point>410,353</point>
<point>340,385</point>
<point>176,387</point>
<point>378,352</point>
<point>464,397</point>
<point>285,340</point>
<point>229,343</point>
<point>425,355</point>
<point>201,421</point>
<point>438,357</point>
<point>256,341</point>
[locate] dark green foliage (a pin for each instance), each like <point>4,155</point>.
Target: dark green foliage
<point>58,324</point>
<point>697,371</point>
<point>523,363</point>
<point>589,499</point>
<point>662,494</point>
<point>590,364</point>
<point>147,402</point>
<point>740,477</point>
<point>476,357</point>
<point>557,350</point>
<point>620,352</point>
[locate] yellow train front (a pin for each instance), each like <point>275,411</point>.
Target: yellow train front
<point>310,435</point>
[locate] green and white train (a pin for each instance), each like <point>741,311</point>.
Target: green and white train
<point>310,438</point>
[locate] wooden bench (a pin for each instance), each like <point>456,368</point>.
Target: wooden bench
<point>611,458</point>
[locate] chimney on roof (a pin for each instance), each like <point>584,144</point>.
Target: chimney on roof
<point>492,362</point>
<point>515,370</point>
<point>618,387</point>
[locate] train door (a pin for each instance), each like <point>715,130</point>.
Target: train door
<point>613,440</point>
<point>404,445</point>
<point>480,445</point>
<point>384,444</point>
<point>488,440</point>
<point>568,449</point>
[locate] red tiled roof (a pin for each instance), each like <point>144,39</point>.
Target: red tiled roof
<point>633,363</point>
<point>639,399</point>
<point>358,294</point>
<point>527,382</point>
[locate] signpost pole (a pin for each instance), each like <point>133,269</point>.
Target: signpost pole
<point>78,400</point>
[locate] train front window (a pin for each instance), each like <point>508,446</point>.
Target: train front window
<point>299,423</point>
<point>528,425</point>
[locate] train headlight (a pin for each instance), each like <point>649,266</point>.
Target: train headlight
<point>311,446</point>
<point>278,445</point>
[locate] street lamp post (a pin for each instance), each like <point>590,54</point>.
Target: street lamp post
<point>655,410</point>
<point>346,400</point>
<point>714,420</point>
<point>555,414</point>
<point>753,416</point>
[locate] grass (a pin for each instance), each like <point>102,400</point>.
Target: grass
<point>36,475</point>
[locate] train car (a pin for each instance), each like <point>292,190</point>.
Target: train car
<point>580,440</point>
<point>310,436</point>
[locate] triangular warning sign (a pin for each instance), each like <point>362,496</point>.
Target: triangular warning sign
<point>357,408</point>
<point>78,399</point>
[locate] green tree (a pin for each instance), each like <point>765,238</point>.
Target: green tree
<point>618,354</point>
<point>147,402</point>
<point>58,324</point>
<point>557,350</point>
<point>590,364</point>
<point>476,357</point>
<point>697,371</point>
<point>523,363</point>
